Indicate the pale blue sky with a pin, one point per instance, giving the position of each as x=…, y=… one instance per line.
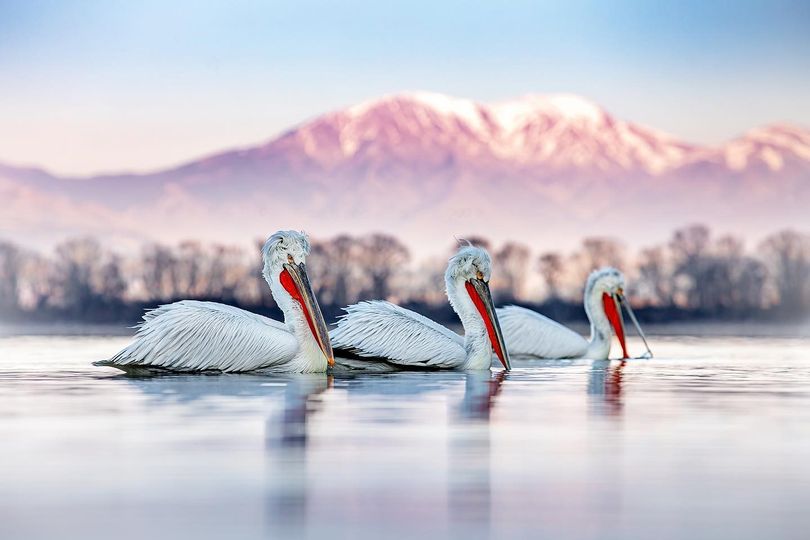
x=103, y=85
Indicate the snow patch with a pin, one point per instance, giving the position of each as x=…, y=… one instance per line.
x=556, y=130
x=513, y=115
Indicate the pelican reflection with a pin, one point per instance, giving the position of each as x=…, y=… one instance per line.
x=605, y=387
x=469, y=490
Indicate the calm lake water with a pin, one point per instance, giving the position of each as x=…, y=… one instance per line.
x=710, y=439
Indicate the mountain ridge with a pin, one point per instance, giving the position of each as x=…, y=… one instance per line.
x=424, y=158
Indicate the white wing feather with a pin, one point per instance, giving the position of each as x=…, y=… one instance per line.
x=383, y=330
x=528, y=333
x=196, y=336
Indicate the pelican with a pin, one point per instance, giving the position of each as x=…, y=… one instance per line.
x=531, y=334
x=207, y=336
x=383, y=332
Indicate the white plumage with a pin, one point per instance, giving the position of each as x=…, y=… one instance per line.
x=202, y=336
x=195, y=336
x=381, y=331
x=531, y=334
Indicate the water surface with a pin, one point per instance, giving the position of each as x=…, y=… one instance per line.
x=710, y=439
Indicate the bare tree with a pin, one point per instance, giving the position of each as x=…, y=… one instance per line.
x=110, y=282
x=76, y=262
x=341, y=270
x=689, y=247
x=751, y=278
x=788, y=254
x=226, y=271
x=713, y=285
x=715, y=276
x=689, y=243
x=729, y=247
x=551, y=268
x=88, y=277
x=599, y=252
x=158, y=271
x=37, y=282
x=654, y=278
x=188, y=269
x=383, y=257
x=10, y=268
x=511, y=267
x=692, y=271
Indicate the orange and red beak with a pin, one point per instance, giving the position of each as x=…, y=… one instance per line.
x=614, y=316
x=478, y=289
x=295, y=281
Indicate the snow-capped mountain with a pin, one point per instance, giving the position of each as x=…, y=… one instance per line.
x=545, y=169
x=425, y=131
x=775, y=148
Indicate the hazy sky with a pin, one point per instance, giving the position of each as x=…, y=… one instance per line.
x=100, y=86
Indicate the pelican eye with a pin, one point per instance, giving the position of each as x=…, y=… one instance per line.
x=479, y=275
x=290, y=259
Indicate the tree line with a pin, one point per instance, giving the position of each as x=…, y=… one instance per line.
x=693, y=274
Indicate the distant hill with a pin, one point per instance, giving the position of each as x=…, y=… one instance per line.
x=543, y=169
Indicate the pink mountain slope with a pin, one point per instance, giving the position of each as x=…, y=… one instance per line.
x=545, y=170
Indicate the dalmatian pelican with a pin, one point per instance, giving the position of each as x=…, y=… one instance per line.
x=381, y=332
x=531, y=334
x=207, y=336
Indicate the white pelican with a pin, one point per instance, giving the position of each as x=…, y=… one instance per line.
x=206, y=336
x=383, y=332
x=531, y=334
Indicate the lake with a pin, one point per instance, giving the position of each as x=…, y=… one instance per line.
x=710, y=439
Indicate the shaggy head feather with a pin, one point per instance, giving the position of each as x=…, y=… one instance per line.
x=604, y=280
x=282, y=245
x=467, y=263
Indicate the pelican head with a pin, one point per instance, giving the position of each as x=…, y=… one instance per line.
x=604, y=291
x=284, y=268
x=604, y=296
x=467, y=283
x=606, y=280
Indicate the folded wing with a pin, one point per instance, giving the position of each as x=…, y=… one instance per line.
x=527, y=333
x=201, y=336
x=384, y=331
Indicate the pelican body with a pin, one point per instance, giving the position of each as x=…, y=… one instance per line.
x=531, y=334
x=379, y=331
x=189, y=336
